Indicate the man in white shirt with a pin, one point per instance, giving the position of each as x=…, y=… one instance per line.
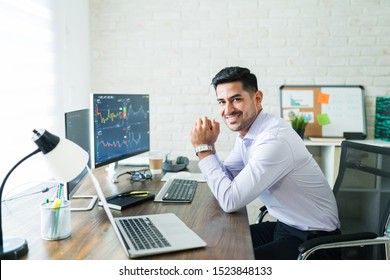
x=269, y=161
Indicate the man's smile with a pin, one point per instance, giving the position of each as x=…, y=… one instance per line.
x=232, y=118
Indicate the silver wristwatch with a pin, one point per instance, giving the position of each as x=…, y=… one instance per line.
x=203, y=148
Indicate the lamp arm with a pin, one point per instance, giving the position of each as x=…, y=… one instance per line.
x=2, y=188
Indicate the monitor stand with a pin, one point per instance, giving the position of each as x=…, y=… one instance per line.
x=92, y=200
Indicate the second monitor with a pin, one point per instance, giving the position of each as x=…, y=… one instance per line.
x=120, y=127
x=77, y=130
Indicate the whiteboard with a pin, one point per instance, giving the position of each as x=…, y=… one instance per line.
x=331, y=110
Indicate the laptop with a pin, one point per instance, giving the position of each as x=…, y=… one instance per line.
x=173, y=233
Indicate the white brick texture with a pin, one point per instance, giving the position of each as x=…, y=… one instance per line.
x=171, y=49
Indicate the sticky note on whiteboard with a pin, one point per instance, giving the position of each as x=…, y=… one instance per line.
x=323, y=119
x=323, y=98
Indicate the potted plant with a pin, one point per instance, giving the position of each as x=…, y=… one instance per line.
x=298, y=122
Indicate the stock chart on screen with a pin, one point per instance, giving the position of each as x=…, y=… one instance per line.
x=120, y=126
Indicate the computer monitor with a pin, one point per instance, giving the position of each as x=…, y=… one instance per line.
x=77, y=131
x=120, y=128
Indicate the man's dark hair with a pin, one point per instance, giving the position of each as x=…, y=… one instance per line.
x=234, y=74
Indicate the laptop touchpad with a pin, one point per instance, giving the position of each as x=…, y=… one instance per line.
x=174, y=228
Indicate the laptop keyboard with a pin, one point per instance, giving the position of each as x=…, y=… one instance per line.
x=181, y=190
x=143, y=234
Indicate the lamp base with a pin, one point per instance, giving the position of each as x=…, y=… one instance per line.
x=13, y=248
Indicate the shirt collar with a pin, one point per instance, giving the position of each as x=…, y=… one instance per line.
x=255, y=127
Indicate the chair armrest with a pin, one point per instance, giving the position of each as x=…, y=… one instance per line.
x=337, y=241
x=263, y=212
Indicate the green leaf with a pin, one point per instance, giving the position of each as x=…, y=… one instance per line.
x=298, y=122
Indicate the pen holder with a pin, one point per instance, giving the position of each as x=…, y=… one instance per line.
x=55, y=222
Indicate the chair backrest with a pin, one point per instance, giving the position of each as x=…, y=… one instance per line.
x=362, y=189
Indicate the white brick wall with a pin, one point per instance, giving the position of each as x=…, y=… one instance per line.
x=172, y=49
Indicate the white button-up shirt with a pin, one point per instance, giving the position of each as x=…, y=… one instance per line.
x=272, y=163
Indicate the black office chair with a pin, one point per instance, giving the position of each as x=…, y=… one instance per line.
x=362, y=191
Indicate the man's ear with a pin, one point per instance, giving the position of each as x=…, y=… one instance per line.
x=259, y=97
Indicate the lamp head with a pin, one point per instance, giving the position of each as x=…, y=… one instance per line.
x=65, y=159
x=45, y=141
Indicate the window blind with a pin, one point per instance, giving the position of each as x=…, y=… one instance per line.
x=29, y=87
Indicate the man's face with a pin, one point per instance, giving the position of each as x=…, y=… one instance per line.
x=238, y=107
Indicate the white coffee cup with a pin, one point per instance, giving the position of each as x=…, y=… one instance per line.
x=155, y=162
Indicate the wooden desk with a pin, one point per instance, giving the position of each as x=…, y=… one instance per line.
x=227, y=235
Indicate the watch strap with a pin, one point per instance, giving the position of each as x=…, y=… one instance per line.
x=203, y=148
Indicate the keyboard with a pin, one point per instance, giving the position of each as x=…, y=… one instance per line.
x=181, y=190
x=144, y=234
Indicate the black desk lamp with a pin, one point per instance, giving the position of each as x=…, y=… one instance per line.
x=65, y=159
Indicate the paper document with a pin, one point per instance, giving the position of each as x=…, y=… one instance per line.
x=326, y=139
x=184, y=175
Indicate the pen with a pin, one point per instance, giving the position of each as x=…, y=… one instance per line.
x=59, y=191
x=55, y=207
x=56, y=203
x=133, y=193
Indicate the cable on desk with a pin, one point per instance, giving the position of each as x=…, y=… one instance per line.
x=43, y=190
